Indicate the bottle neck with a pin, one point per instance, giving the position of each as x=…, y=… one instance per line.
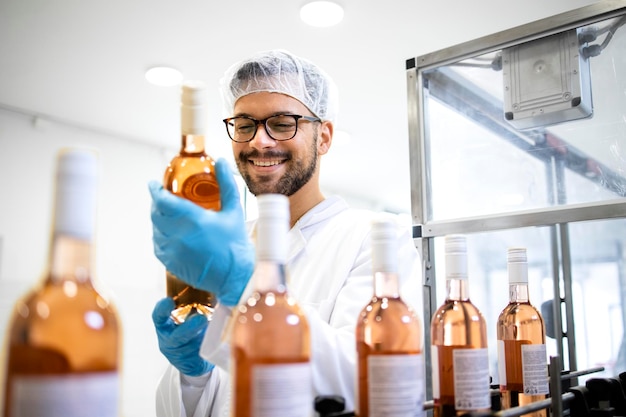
x=269, y=276
x=192, y=144
x=271, y=243
x=75, y=202
x=457, y=289
x=70, y=259
x=518, y=293
x=518, y=281
x=193, y=119
x=386, y=285
x=457, y=286
x=385, y=260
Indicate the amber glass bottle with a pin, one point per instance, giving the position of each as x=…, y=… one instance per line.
x=390, y=365
x=270, y=341
x=64, y=336
x=522, y=357
x=460, y=364
x=191, y=175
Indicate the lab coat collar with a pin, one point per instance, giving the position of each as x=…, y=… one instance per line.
x=305, y=226
x=298, y=235
x=322, y=211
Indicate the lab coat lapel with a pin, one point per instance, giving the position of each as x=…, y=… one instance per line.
x=305, y=226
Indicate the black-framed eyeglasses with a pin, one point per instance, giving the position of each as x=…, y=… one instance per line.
x=242, y=129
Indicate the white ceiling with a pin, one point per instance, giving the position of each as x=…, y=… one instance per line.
x=83, y=62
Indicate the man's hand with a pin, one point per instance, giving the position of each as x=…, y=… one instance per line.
x=180, y=343
x=207, y=249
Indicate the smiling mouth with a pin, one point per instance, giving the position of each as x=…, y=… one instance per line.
x=266, y=163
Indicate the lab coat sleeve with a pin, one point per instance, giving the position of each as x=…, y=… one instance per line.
x=333, y=345
x=181, y=396
x=168, y=395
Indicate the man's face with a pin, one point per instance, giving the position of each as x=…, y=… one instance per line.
x=270, y=166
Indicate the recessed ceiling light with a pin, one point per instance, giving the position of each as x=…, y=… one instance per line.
x=164, y=76
x=321, y=13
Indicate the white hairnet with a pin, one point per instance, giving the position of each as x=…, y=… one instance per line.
x=279, y=71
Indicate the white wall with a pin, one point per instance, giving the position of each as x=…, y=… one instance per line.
x=125, y=264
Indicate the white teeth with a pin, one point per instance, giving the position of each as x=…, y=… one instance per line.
x=265, y=163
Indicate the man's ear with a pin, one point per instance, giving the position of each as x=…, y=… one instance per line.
x=325, y=137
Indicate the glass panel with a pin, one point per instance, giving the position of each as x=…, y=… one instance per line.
x=479, y=162
x=578, y=189
x=474, y=172
x=488, y=279
x=598, y=285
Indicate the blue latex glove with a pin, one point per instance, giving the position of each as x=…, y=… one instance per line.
x=180, y=343
x=207, y=249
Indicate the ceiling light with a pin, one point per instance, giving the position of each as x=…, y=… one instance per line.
x=321, y=13
x=164, y=76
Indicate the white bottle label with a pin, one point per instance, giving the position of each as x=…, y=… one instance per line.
x=282, y=390
x=471, y=379
x=434, y=360
x=67, y=396
x=396, y=385
x=501, y=363
x=535, y=369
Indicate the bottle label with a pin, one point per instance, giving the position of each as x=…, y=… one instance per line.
x=434, y=360
x=535, y=369
x=68, y=396
x=396, y=385
x=471, y=379
x=284, y=390
x=501, y=363
x=201, y=188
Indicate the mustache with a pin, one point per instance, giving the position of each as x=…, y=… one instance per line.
x=255, y=153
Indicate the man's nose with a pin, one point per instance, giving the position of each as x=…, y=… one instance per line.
x=261, y=138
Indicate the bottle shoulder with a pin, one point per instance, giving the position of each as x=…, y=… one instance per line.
x=71, y=326
x=458, y=309
x=198, y=159
x=388, y=308
x=270, y=305
x=184, y=166
x=60, y=299
x=519, y=306
x=270, y=325
x=520, y=321
x=459, y=323
x=388, y=326
x=515, y=311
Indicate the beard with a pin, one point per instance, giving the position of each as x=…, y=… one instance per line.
x=298, y=173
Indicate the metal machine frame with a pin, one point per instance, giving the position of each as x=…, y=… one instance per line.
x=556, y=218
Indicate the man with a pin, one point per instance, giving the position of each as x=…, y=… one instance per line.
x=283, y=109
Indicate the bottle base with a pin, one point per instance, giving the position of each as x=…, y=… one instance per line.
x=183, y=312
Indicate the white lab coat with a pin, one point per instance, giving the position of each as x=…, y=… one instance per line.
x=330, y=275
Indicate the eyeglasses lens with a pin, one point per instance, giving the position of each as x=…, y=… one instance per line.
x=281, y=127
